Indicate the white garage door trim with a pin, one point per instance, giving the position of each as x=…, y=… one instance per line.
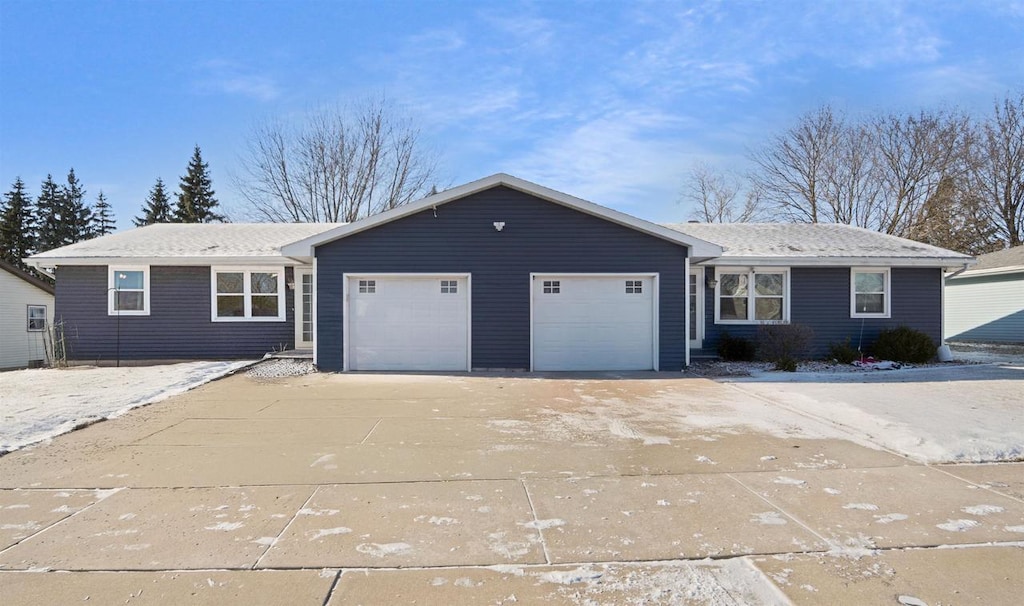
x=348, y=277
x=655, y=277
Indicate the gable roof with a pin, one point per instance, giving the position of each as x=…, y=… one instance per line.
x=186, y=243
x=698, y=248
x=1007, y=261
x=817, y=244
x=17, y=272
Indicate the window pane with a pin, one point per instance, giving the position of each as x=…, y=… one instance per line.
x=129, y=301
x=732, y=284
x=128, y=280
x=263, y=306
x=768, y=284
x=869, y=282
x=768, y=308
x=264, y=283
x=230, y=282
x=871, y=304
x=733, y=308
x=230, y=306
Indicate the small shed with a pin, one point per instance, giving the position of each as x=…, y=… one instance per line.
x=26, y=310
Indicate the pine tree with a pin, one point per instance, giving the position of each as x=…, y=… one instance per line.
x=196, y=203
x=103, y=217
x=78, y=214
x=49, y=222
x=17, y=226
x=156, y=208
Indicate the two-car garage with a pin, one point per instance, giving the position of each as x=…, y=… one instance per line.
x=423, y=322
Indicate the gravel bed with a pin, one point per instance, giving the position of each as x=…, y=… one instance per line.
x=721, y=368
x=279, y=368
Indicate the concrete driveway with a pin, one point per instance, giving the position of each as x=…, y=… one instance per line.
x=385, y=489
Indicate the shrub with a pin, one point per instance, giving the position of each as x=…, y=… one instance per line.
x=785, y=364
x=843, y=353
x=778, y=342
x=903, y=344
x=735, y=349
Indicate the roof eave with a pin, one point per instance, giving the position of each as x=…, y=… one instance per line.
x=249, y=260
x=995, y=271
x=698, y=248
x=845, y=261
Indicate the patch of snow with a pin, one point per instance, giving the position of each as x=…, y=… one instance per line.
x=769, y=458
x=789, y=481
x=308, y=511
x=568, y=577
x=381, y=550
x=833, y=491
x=225, y=526
x=327, y=532
x=958, y=525
x=40, y=404
x=1014, y=528
x=768, y=518
x=704, y=459
x=891, y=517
x=861, y=506
x=543, y=524
x=982, y=510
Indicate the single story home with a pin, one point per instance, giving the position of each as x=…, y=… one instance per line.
x=26, y=310
x=986, y=302
x=499, y=273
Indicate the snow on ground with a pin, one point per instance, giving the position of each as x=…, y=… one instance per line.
x=935, y=414
x=39, y=404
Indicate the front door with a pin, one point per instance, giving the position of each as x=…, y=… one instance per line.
x=303, y=309
x=695, y=292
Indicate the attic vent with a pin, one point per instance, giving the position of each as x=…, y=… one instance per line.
x=693, y=221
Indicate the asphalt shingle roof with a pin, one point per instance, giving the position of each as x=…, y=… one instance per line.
x=1010, y=257
x=803, y=240
x=184, y=240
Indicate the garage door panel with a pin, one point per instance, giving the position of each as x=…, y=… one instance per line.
x=593, y=323
x=408, y=323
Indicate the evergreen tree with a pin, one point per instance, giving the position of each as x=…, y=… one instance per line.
x=196, y=203
x=49, y=222
x=157, y=207
x=103, y=217
x=78, y=214
x=17, y=226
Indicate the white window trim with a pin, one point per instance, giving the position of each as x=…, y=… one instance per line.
x=246, y=271
x=887, y=298
x=111, y=291
x=28, y=318
x=751, y=271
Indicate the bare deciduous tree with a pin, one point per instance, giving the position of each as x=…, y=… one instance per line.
x=914, y=154
x=338, y=165
x=997, y=175
x=720, y=198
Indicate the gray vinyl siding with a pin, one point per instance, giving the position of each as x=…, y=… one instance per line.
x=987, y=309
x=177, y=328
x=820, y=298
x=538, y=236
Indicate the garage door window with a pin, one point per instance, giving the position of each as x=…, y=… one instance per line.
x=367, y=286
x=449, y=287
x=634, y=287
x=552, y=287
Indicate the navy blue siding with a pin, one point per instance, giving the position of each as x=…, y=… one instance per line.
x=178, y=327
x=539, y=236
x=820, y=298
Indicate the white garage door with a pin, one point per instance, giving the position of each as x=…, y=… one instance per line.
x=593, y=322
x=411, y=322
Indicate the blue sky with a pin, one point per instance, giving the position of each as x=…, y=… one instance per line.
x=609, y=101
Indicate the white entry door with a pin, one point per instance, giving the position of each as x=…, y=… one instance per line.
x=408, y=322
x=594, y=322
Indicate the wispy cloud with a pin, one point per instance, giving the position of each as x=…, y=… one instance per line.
x=226, y=77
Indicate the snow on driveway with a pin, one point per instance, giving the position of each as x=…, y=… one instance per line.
x=938, y=414
x=39, y=404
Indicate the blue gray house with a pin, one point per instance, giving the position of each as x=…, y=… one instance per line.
x=499, y=273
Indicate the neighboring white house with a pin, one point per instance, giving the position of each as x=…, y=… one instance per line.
x=986, y=304
x=26, y=310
